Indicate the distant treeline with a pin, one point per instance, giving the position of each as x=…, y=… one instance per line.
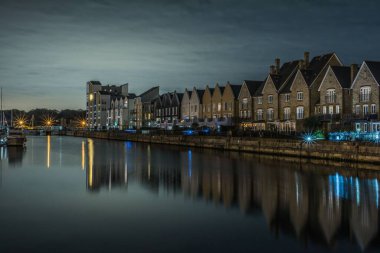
x=38, y=116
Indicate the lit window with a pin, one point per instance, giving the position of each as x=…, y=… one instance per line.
x=337, y=109
x=300, y=112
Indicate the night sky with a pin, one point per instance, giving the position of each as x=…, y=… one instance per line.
x=49, y=49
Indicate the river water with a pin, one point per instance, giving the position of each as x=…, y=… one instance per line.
x=67, y=194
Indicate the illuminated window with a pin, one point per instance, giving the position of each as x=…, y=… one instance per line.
x=300, y=112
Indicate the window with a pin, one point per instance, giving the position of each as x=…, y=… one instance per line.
x=331, y=109
x=373, y=109
x=365, y=109
x=259, y=114
x=357, y=109
x=270, y=99
x=365, y=127
x=225, y=106
x=324, y=109
x=337, y=109
x=286, y=113
x=330, y=96
x=287, y=97
x=260, y=100
x=365, y=94
x=219, y=107
x=300, y=112
x=299, y=96
x=195, y=108
x=270, y=114
x=245, y=103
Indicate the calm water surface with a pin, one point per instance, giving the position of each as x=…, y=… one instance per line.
x=65, y=194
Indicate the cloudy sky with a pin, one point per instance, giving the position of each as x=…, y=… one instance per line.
x=49, y=49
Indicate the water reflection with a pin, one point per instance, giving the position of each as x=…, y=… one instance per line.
x=318, y=204
x=105, y=170
x=14, y=155
x=48, y=150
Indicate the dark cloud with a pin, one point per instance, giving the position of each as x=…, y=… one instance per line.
x=49, y=49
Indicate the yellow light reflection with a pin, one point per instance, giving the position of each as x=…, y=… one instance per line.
x=83, y=156
x=90, y=161
x=48, y=152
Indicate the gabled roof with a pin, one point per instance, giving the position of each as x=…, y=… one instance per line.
x=343, y=74
x=306, y=74
x=286, y=70
x=259, y=91
x=317, y=64
x=146, y=92
x=252, y=86
x=310, y=73
x=200, y=95
x=180, y=96
x=374, y=67
x=236, y=89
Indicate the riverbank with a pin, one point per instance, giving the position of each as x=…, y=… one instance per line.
x=326, y=150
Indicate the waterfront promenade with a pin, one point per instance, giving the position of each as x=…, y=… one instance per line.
x=360, y=152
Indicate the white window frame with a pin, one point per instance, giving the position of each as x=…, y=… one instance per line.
x=299, y=95
x=300, y=112
x=270, y=99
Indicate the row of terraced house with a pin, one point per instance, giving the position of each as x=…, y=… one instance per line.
x=294, y=94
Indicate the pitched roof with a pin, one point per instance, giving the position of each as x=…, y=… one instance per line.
x=309, y=74
x=235, y=89
x=200, y=94
x=343, y=74
x=317, y=64
x=374, y=67
x=306, y=74
x=146, y=92
x=286, y=70
x=252, y=86
x=259, y=91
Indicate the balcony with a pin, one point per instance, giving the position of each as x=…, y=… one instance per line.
x=364, y=97
x=330, y=99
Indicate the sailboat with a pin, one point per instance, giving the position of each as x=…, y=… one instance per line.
x=4, y=131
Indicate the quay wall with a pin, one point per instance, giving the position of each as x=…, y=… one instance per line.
x=326, y=150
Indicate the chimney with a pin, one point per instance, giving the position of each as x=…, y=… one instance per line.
x=277, y=61
x=272, y=69
x=354, y=71
x=306, y=58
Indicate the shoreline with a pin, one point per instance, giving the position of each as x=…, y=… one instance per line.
x=353, y=152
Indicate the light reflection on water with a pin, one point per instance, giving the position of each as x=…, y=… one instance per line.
x=317, y=205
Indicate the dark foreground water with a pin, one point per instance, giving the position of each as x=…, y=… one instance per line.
x=65, y=194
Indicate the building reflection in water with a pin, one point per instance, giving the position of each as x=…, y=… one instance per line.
x=316, y=204
x=14, y=155
x=106, y=164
